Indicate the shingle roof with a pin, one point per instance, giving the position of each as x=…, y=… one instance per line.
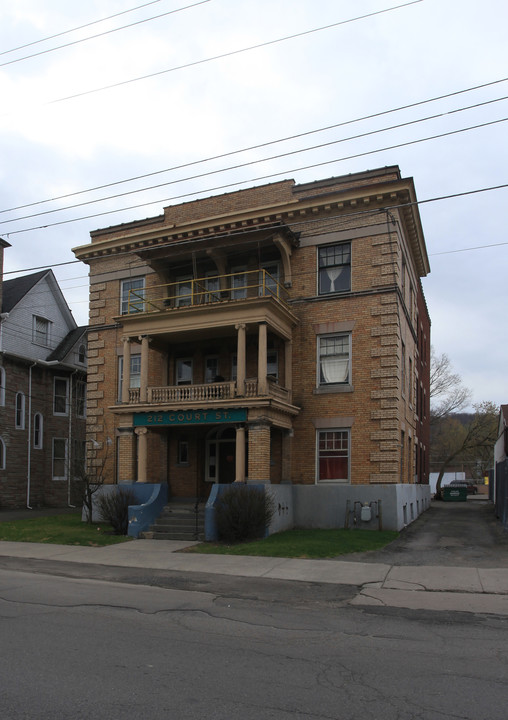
x=14, y=290
x=67, y=343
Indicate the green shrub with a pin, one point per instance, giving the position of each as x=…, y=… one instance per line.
x=243, y=513
x=113, y=507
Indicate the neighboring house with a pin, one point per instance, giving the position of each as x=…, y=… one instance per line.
x=499, y=489
x=277, y=335
x=43, y=360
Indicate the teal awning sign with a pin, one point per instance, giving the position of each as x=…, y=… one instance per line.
x=189, y=417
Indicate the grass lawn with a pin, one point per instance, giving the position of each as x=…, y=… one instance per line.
x=304, y=544
x=65, y=529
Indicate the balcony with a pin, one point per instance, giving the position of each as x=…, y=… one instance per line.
x=214, y=394
x=206, y=291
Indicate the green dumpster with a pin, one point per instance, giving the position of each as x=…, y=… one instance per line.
x=455, y=494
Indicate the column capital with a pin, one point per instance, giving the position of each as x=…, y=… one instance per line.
x=240, y=326
x=141, y=430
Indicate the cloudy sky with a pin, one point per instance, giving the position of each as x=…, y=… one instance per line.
x=84, y=112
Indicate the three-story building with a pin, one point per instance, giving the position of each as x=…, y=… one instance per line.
x=273, y=335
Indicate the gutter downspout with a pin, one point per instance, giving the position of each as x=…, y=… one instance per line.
x=29, y=441
x=69, y=472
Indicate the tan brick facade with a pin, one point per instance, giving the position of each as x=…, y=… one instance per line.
x=277, y=408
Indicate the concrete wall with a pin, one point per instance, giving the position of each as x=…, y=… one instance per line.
x=313, y=506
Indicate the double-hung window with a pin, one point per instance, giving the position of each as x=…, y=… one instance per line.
x=334, y=267
x=38, y=429
x=60, y=396
x=184, y=291
x=20, y=411
x=333, y=455
x=269, y=279
x=135, y=373
x=59, y=458
x=40, y=331
x=334, y=359
x=184, y=371
x=132, y=296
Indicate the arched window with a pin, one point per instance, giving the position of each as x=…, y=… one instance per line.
x=38, y=427
x=2, y=454
x=2, y=387
x=82, y=354
x=20, y=411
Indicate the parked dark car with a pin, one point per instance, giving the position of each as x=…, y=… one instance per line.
x=470, y=487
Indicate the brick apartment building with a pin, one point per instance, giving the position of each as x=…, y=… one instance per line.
x=42, y=393
x=277, y=335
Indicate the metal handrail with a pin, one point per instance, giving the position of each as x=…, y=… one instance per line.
x=230, y=287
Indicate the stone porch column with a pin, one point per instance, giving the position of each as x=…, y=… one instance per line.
x=259, y=452
x=240, y=360
x=142, y=434
x=240, y=454
x=262, y=361
x=126, y=369
x=143, y=385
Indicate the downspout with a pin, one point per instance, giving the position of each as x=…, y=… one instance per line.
x=70, y=444
x=29, y=453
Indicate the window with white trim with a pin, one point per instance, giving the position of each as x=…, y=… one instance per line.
x=40, y=331
x=82, y=354
x=334, y=268
x=20, y=411
x=135, y=374
x=38, y=430
x=132, y=295
x=334, y=356
x=269, y=279
x=183, y=291
x=238, y=283
x=184, y=371
x=333, y=456
x=2, y=386
x=60, y=396
x=211, y=368
x=59, y=457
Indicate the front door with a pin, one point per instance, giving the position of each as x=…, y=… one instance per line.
x=221, y=454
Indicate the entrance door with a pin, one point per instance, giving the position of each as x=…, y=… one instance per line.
x=227, y=468
x=221, y=455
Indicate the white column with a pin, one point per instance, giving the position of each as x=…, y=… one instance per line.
x=126, y=370
x=142, y=434
x=241, y=362
x=240, y=454
x=262, y=360
x=143, y=384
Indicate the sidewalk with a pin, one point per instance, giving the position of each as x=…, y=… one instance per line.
x=426, y=587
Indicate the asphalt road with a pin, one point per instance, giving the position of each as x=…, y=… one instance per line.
x=83, y=649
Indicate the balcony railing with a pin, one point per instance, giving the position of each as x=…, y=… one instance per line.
x=206, y=291
x=206, y=392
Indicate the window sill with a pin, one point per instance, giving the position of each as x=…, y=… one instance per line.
x=326, y=389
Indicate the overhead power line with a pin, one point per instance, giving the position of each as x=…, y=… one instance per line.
x=258, y=146
x=355, y=213
x=255, y=162
x=236, y=183
x=230, y=53
x=79, y=27
x=106, y=32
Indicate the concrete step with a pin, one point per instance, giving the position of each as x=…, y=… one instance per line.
x=177, y=521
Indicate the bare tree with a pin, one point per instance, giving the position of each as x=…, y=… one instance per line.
x=454, y=440
x=447, y=393
x=91, y=474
